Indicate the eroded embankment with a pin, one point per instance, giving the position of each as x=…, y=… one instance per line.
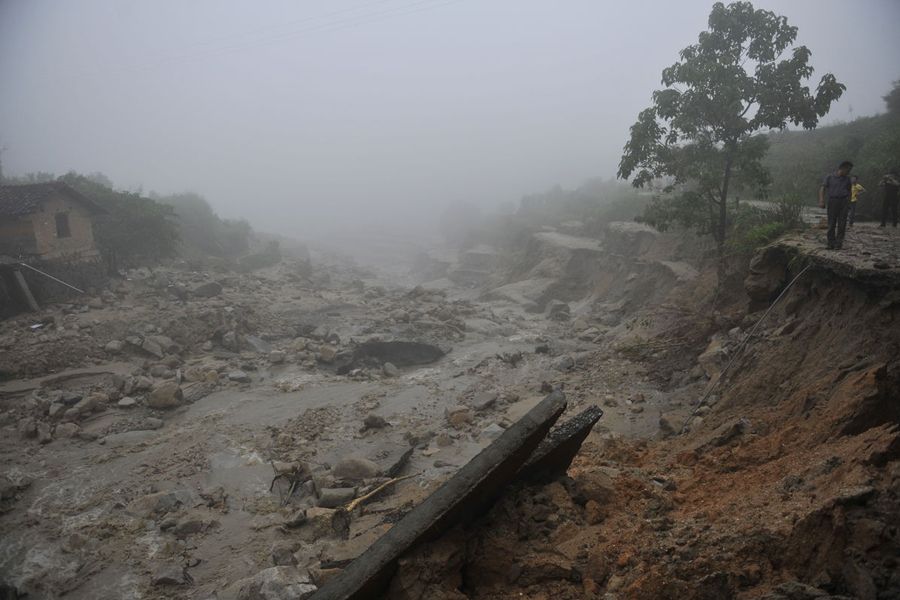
x=785, y=484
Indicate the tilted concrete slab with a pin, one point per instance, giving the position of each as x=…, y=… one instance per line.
x=462, y=498
x=554, y=455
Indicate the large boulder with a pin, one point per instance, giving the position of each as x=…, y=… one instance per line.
x=768, y=272
x=355, y=469
x=165, y=395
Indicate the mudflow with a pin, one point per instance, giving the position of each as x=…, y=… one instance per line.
x=214, y=434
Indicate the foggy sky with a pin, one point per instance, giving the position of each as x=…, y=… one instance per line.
x=304, y=117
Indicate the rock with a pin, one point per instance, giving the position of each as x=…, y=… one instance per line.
x=390, y=370
x=142, y=383
x=768, y=271
x=157, y=503
x=564, y=363
x=114, y=347
x=161, y=372
x=27, y=427
x=91, y=403
x=327, y=354
x=319, y=522
x=127, y=402
x=459, y=416
x=609, y=401
x=56, y=410
x=636, y=409
x=239, y=377
x=151, y=347
x=276, y=357
x=491, y=432
x=484, y=401
x=149, y=424
x=189, y=526
x=400, y=315
x=207, y=290
x=666, y=427
x=282, y=555
x=231, y=341
x=67, y=430
x=275, y=583
x=296, y=519
x=165, y=395
x=713, y=359
x=558, y=311
x=43, y=433
x=355, y=469
x=169, y=575
x=335, y=497
x=729, y=431
x=374, y=422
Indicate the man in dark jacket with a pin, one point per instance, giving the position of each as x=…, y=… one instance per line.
x=891, y=185
x=835, y=196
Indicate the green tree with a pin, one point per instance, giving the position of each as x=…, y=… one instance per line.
x=740, y=78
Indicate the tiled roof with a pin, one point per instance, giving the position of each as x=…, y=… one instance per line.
x=17, y=200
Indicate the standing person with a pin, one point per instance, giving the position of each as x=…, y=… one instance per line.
x=855, y=190
x=834, y=194
x=891, y=184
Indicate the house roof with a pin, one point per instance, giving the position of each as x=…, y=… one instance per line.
x=18, y=200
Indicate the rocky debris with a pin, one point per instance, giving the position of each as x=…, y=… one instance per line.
x=126, y=402
x=277, y=357
x=167, y=574
x=714, y=358
x=155, y=504
x=730, y=431
x=564, y=363
x=114, y=346
x=459, y=416
x=239, y=377
x=390, y=370
x=491, y=432
x=335, y=497
x=469, y=492
x=374, y=422
x=558, y=311
x=207, y=290
x=165, y=395
x=274, y=583
x=355, y=469
x=27, y=427
x=484, y=401
x=327, y=354
x=67, y=430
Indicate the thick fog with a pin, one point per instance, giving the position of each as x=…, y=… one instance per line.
x=310, y=117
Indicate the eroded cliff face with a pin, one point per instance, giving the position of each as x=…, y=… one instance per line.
x=778, y=478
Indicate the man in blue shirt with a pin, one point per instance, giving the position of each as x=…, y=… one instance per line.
x=835, y=196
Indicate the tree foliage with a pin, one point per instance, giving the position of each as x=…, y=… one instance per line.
x=742, y=77
x=135, y=230
x=203, y=232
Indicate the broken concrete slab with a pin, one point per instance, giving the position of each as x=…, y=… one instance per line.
x=554, y=455
x=462, y=498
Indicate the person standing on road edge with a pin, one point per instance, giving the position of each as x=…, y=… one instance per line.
x=834, y=194
x=855, y=191
x=891, y=184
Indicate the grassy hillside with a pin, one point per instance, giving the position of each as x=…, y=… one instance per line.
x=798, y=160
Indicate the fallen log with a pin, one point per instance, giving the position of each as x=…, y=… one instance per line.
x=465, y=496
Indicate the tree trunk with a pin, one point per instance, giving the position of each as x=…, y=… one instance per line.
x=722, y=225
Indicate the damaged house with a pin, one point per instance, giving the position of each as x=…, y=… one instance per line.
x=46, y=226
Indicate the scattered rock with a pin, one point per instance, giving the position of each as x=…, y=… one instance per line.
x=335, y=497
x=275, y=583
x=491, y=432
x=127, y=402
x=169, y=575
x=459, y=416
x=165, y=395
x=239, y=377
x=276, y=357
x=67, y=430
x=115, y=346
x=207, y=290
x=390, y=370
x=43, y=433
x=355, y=469
x=374, y=422
x=327, y=354
x=484, y=401
x=564, y=363
x=27, y=427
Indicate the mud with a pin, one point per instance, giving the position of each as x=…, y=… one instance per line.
x=786, y=476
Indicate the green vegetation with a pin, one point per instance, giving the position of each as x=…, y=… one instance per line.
x=700, y=134
x=138, y=230
x=798, y=160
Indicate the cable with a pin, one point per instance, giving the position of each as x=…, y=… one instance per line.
x=740, y=348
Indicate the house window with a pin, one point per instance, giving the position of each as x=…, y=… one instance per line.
x=62, y=225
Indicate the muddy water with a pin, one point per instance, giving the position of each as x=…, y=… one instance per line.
x=73, y=530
